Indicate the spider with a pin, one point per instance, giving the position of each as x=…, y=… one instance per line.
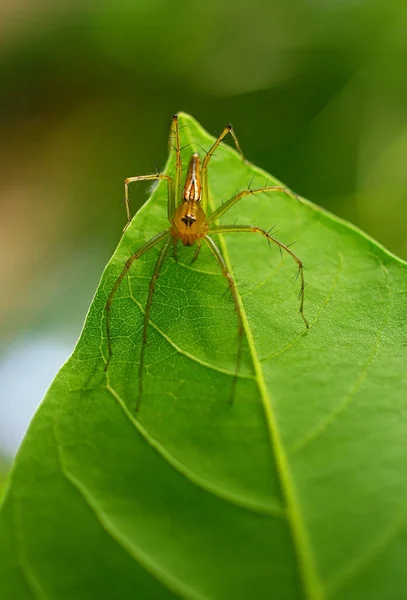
x=190, y=224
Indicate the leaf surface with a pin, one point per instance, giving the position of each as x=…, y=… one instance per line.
x=296, y=490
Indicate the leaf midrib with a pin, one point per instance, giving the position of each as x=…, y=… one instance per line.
x=306, y=561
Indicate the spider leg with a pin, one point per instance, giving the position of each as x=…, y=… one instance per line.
x=175, y=249
x=145, y=248
x=232, y=286
x=174, y=137
x=197, y=250
x=270, y=238
x=151, y=289
x=155, y=176
x=226, y=205
x=210, y=153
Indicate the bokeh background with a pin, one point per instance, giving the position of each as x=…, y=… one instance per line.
x=316, y=90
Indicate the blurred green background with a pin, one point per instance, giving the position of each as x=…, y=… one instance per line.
x=316, y=90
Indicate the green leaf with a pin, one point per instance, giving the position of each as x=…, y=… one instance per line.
x=296, y=490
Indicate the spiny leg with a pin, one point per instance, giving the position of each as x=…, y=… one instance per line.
x=270, y=238
x=156, y=176
x=151, y=289
x=175, y=249
x=225, y=207
x=178, y=160
x=145, y=248
x=197, y=250
x=232, y=286
x=210, y=153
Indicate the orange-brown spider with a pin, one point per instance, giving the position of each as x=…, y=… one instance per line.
x=190, y=223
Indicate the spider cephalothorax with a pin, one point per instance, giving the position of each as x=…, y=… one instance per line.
x=190, y=223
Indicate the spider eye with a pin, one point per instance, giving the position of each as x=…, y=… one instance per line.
x=188, y=220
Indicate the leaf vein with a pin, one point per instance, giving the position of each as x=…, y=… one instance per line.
x=324, y=304
x=375, y=547
x=167, y=580
x=271, y=509
x=321, y=427
x=29, y=576
x=188, y=354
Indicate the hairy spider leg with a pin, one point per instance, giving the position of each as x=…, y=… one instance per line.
x=174, y=249
x=209, y=154
x=145, y=248
x=232, y=228
x=178, y=160
x=232, y=286
x=151, y=290
x=173, y=183
x=197, y=250
x=270, y=238
x=155, y=176
x=227, y=205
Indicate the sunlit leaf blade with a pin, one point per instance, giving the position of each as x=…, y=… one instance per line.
x=297, y=490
